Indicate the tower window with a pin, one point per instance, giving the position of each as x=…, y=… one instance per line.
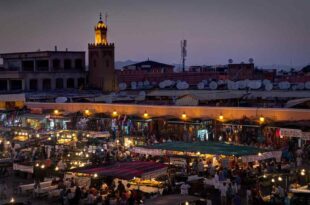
x=81, y=82
x=42, y=65
x=59, y=83
x=56, y=64
x=46, y=84
x=33, y=84
x=70, y=83
x=16, y=84
x=78, y=64
x=28, y=65
x=3, y=85
x=67, y=64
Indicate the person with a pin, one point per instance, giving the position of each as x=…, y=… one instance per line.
x=70, y=196
x=120, y=188
x=3, y=190
x=236, y=200
x=229, y=194
x=90, y=199
x=287, y=200
x=223, y=190
x=281, y=192
x=184, y=189
x=248, y=196
x=78, y=195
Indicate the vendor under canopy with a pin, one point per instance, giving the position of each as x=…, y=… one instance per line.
x=208, y=148
x=128, y=170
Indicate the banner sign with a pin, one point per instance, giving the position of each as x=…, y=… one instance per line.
x=23, y=168
x=178, y=161
x=284, y=132
x=263, y=156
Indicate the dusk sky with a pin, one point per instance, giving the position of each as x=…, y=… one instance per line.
x=271, y=32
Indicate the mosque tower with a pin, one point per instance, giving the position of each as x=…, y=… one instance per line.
x=101, y=60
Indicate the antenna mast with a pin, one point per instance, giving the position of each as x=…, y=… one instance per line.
x=183, y=53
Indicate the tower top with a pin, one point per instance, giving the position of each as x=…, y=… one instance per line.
x=101, y=32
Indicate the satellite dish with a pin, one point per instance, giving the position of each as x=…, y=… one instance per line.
x=146, y=83
x=201, y=86
x=61, y=99
x=268, y=86
x=266, y=81
x=284, y=85
x=140, y=84
x=213, y=85
x=241, y=84
x=122, y=86
x=307, y=85
x=133, y=85
x=255, y=84
x=300, y=86
x=142, y=93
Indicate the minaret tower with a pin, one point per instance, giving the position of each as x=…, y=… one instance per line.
x=101, y=60
x=101, y=32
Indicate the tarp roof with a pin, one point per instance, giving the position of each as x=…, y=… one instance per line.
x=126, y=170
x=213, y=148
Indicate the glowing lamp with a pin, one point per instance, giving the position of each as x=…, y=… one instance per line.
x=280, y=179
x=221, y=117
x=261, y=119
x=272, y=180
x=145, y=115
x=114, y=113
x=56, y=112
x=42, y=166
x=87, y=112
x=95, y=175
x=183, y=116
x=56, y=168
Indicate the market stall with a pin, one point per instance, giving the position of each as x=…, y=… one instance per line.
x=140, y=175
x=208, y=150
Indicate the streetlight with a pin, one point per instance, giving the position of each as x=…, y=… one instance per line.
x=145, y=115
x=261, y=119
x=87, y=112
x=114, y=113
x=56, y=112
x=184, y=116
x=221, y=117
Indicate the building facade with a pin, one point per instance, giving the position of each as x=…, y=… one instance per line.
x=101, y=61
x=42, y=71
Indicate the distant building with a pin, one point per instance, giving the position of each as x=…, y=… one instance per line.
x=101, y=61
x=42, y=71
x=240, y=71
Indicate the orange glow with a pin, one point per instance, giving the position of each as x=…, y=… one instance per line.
x=221, y=117
x=145, y=115
x=261, y=119
x=114, y=113
x=184, y=116
x=87, y=112
x=56, y=112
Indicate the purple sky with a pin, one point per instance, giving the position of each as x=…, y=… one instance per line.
x=271, y=32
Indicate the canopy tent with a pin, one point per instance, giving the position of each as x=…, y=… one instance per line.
x=247, y=153
x=128, y=170
x=213, y=148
